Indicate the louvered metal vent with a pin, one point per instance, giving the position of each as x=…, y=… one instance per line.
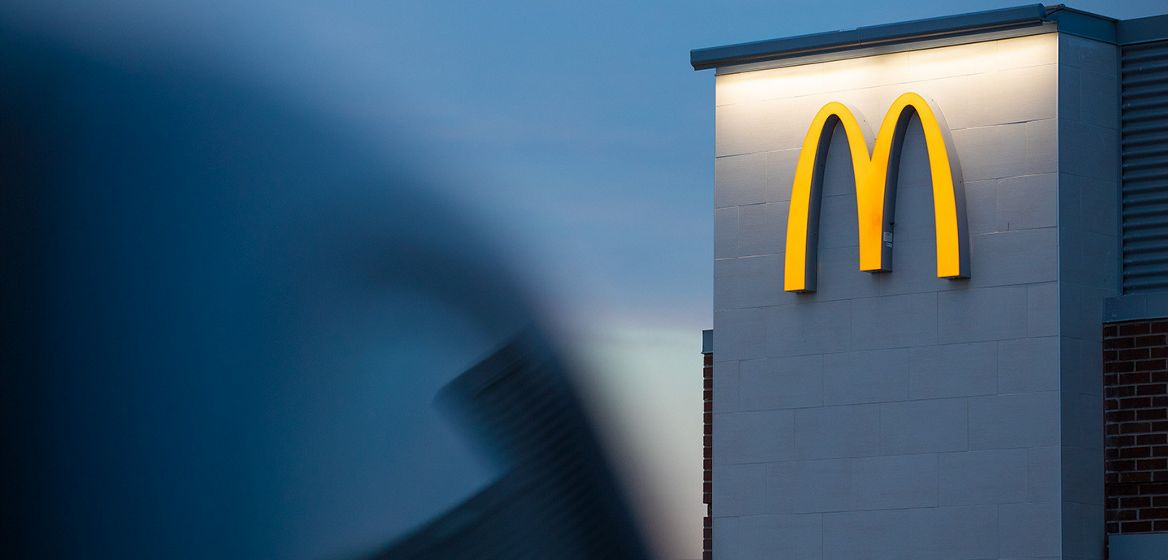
x=1145, y=167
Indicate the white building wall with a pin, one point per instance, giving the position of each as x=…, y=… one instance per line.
x=895, y=415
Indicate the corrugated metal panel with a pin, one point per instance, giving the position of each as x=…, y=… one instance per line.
x=1145, y=166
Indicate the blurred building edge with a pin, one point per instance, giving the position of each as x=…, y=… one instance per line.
x=559, y=499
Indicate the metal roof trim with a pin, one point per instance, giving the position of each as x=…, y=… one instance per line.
x=1135, y=307
x=1083, y=24
x=1066, y=19
x=1143, y=30
x=868, y=36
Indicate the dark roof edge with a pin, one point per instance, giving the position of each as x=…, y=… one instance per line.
x=1142, y=30
x=1068, y=20
x=872, y=35
x=1084, y=24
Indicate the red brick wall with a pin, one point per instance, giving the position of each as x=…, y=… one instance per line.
x=1135, y=371
x=707, y=453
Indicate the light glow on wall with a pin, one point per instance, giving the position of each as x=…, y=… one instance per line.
x=886, y=69
x=771, y=126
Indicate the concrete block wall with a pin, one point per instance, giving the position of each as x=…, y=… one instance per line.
x=1088, y=187
x=899, y=415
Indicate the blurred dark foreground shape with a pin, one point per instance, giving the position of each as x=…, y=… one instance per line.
x=555, y=501
x=225, y=322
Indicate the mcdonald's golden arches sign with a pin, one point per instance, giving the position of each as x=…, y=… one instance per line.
x=875, y=176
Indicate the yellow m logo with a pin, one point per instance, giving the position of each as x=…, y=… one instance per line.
x=875, y=176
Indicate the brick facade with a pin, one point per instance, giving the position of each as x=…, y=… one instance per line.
x=707, y=453
x=1135, y=366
